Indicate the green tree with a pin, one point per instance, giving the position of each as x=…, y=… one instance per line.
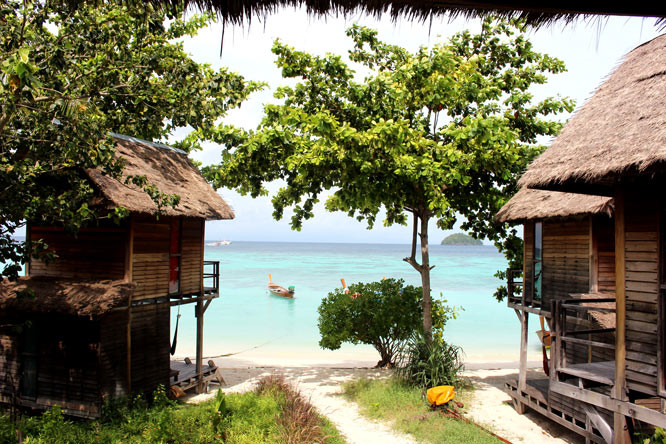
x=433, y=134
x=383, y=314
x=67, y=78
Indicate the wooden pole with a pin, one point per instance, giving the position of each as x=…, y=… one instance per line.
x=619, y=392
x=522, y=374
x=594, y=258
x=199, y=312
x=129, y=277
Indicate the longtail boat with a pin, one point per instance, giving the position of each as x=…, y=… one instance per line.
x=279, y=290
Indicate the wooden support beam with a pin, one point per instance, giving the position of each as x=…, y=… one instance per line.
x=199, y=309
x=519, y=314
x=522, y=374
x=619, y=390
x=624, y=408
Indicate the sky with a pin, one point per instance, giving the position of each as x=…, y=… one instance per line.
x=590, y=50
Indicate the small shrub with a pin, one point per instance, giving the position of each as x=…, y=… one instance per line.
x=382, y=314
x=428, y=364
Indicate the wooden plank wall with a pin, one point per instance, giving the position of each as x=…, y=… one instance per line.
x=566, y=261
x=113, y=354
x=150, y=259
x=9, y=365
x=67, y=363
x=641, y=269
x=191, y=245
x=150, y=347
x=528, y=257
x=94, y=253
x=604, y=230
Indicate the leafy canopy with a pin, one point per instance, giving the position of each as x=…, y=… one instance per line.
x=67, y=78
x=441, y=130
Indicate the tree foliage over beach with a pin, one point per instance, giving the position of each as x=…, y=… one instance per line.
x=434, y=134
x=67, y=78
x=383, y=314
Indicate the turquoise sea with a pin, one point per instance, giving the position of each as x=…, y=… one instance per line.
x=248, y=320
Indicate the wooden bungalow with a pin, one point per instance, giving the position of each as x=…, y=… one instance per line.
x=615, y=145
x=95, y=322
x=569, y=253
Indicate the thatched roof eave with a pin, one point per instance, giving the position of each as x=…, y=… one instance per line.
x=74, y=297
x=536, y=14
x=528, y=204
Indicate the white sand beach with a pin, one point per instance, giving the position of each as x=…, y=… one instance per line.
x=321, y=380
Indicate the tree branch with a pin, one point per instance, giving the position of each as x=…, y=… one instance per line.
x=411, y=260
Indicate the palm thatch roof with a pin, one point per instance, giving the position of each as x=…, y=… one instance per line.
x=536, y=13
x=167, y=168
x=42, y=294
x=618, y=135
x=529, y=204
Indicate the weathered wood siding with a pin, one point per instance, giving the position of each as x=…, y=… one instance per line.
x=150, y=258
x=150, y=347
x=191, y=265
x=641, y=269
x=94, y=253
x=113, y=354
x=9, y=365
x=528, y=257
x=566, y=259
x=604, y=230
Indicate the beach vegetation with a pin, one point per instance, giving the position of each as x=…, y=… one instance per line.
x=383, y=314
x=439, y=134
x=273, y=413
x=70, y=76
x=426, y=364
x=407, y=410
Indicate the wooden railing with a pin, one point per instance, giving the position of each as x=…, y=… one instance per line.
x=567, y=311
x=515, y=283
x=211, y=277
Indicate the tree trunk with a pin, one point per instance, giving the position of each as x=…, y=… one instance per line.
x=425, y=280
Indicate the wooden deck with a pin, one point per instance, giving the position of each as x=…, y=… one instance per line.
x=601, y=372
x=536, y=397
x=184, y=376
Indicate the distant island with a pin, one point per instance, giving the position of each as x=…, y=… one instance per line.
x=460, y=239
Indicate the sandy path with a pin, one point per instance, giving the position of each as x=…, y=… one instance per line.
x=490, y=406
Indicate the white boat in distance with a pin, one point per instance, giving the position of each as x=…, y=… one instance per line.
x=218, y=243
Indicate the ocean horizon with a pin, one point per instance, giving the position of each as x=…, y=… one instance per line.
x=247, y=321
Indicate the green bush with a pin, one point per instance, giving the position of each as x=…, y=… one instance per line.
x=382, y=314
x=428, y=364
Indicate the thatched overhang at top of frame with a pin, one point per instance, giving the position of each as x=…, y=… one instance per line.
x=170, y=171
x=529, y=204
x=43, y=294
x=535, y=13
x=618, y=136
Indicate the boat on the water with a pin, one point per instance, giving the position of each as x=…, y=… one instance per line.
x=218, y=243
x=279, y=290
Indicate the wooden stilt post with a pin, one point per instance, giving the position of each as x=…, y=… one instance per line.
x=199, y=312
x=199, y=359
x=522, y=375
x=620, y=434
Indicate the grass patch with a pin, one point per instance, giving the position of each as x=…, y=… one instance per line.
x=405, y=408
x=258, y=417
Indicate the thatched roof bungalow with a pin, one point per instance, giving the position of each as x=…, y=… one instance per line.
x=95, y=322
x=616, y=145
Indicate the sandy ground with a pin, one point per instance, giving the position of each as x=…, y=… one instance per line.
x=490, y=407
